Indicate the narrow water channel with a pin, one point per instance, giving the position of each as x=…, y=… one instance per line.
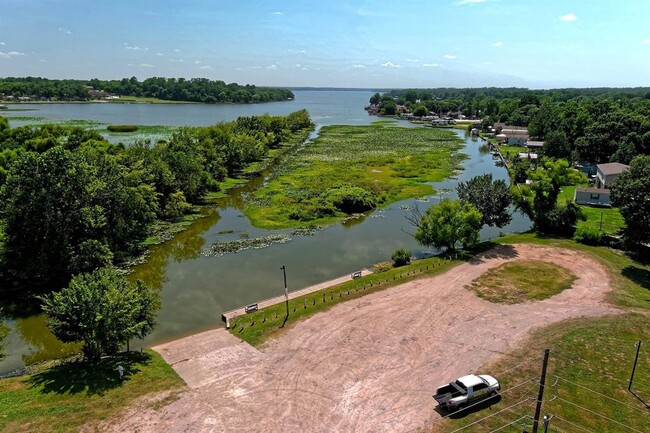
x=196, y=289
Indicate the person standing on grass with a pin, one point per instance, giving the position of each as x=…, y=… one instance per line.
x=120, y=372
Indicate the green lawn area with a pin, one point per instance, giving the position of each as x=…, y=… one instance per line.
x=390, y=163
x=522, y=280
x=510, y=151
x=607, y=219
x=65, y=397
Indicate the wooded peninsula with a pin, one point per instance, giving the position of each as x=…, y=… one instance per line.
x=203, y=90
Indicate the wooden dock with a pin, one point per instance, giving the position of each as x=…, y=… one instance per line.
x=242, y=311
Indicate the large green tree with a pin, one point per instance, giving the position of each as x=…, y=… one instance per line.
x=69, y=212
x=446, y=224
x=630, y=195
x=491, y=198
x=103, y=310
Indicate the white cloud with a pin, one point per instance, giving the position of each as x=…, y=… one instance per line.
x=42, y=60
x=145, y=65
x=449, y=56
x=272, y=67
x=176, y=60
x=205, y=67
x=469, y=2
x=430, y=65
x=298, y=51
x=176, y=50
x=358, y=66
x=568, y=17
x=413, y=60
x=390, y=64
x=646, y=41
x=197, y=62
x=64, y=30
x=10, y=54
x=3, y=44
x=487, y=63
x=497, y=44
x=277, y=13
x=159, y=54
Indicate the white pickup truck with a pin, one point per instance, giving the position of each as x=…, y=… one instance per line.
x=466, y=390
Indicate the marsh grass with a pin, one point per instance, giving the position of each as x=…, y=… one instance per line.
x=393, y=163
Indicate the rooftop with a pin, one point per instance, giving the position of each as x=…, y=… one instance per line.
x=612, y=168
x=593, y=190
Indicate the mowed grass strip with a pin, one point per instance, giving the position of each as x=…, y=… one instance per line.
x=65, y=397
x=521, y=281
x=256, y=328
x=390, y=162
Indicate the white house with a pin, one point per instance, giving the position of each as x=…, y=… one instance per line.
x=592, y=196
x=606, y=174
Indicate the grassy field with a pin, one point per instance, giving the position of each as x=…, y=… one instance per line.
x=589, y=365
x=521, y=281
x=63, y=398
x=510, y=151
x=391, y=163
x=269, y=322
x=607, y=219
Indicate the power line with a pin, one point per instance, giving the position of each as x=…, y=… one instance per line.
x=518, y=385
x=600, y=394
x=572, y=424
x=598, y=414
x=509, y=424
x=494, y=414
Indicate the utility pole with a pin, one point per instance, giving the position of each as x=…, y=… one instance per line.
x=286, y=290
x=638, y=349
x=540, y=396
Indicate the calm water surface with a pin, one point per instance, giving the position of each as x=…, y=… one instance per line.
x=196, y=289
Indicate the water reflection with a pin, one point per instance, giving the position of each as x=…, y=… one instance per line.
x=184, y=246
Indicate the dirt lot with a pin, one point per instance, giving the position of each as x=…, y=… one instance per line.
x=367, y=365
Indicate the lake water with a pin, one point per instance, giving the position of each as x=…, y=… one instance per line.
x=196, y=289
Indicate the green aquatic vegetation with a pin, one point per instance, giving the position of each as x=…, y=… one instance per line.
x=218, y=249
x=353, y=169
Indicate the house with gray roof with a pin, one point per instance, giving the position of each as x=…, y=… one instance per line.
x=606, y=174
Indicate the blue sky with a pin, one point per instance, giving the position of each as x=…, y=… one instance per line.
x=460, y=43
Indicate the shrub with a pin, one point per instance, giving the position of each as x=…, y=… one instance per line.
x=122, y=128
x=401, y=257
x=351, y=199
x=588, y=236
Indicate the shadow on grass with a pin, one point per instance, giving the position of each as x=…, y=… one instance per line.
x=491, y=250
x=638, y=275
x=475, y=407
x=91, y=378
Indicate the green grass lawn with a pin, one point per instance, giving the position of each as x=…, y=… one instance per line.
x=392, y=163
x=510, y=151
x=607, y=219
x=65, y=397
x=522, y=280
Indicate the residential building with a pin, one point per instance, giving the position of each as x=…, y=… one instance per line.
x=606, y=174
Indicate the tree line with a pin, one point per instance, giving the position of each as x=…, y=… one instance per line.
x=169, y=89
x=71, y=202
x=581, y=125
